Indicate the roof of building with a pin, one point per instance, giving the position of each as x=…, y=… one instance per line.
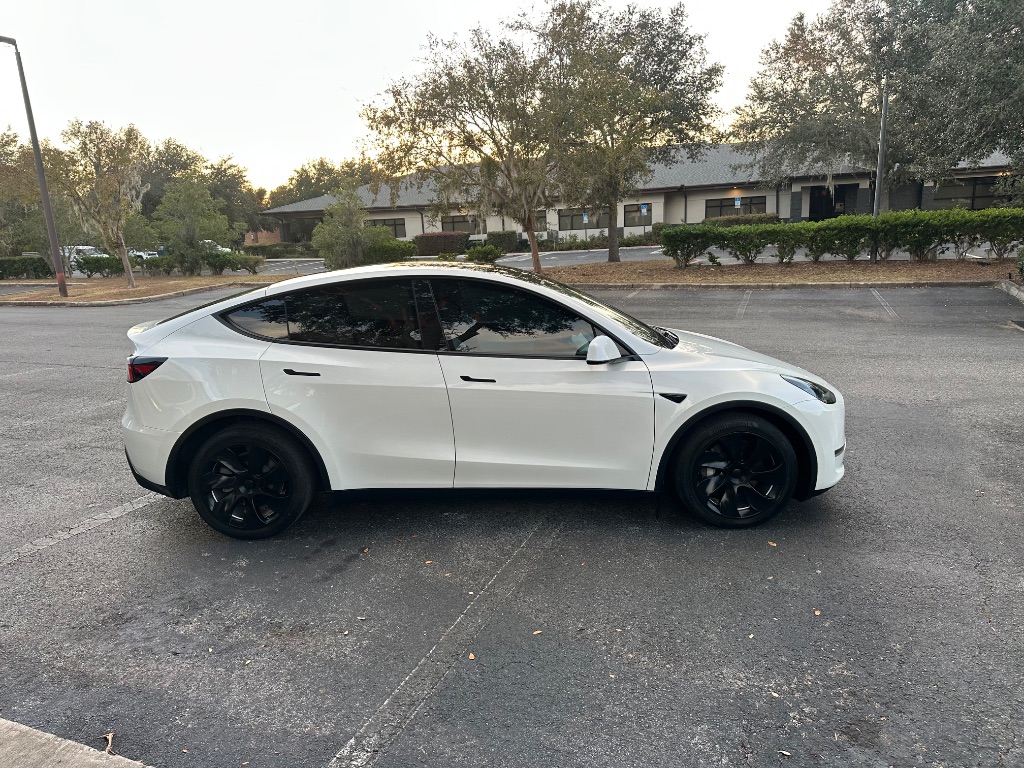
x=718, y=166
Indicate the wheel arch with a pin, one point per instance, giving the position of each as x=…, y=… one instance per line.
x=802, y=444
x=176, y=475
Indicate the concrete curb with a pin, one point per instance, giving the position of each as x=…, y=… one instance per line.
x=140, y=300
x=781, y=286
x=26, y=747
x=1013, y=289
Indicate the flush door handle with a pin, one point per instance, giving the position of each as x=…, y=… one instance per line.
x=292, y=372
x=480, y=381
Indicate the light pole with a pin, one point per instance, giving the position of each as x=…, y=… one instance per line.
x=51, y=230
x=880, y=169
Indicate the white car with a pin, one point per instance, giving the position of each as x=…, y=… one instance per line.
x=435, y=375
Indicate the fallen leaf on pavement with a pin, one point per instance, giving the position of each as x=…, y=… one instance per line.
x=430, y=562
x=784, y=752
x=538, y=631
x=110, y=742
x=366, y=549
x=772, y=544
x=471, y=656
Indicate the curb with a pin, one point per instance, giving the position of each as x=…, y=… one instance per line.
x=140, y=300
x=784, y=286
x=1013, y=289
x=29, y=748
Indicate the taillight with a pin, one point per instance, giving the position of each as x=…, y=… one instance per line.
x=140, y=367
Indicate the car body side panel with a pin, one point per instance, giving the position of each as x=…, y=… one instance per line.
x=550, y=423
x=380, y=419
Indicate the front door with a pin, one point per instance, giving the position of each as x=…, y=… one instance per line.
x=528, y=410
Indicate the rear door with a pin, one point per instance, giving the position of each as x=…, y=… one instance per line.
x=350, y=371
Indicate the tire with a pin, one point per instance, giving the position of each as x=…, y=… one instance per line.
x=251, y=482
x=735, y=471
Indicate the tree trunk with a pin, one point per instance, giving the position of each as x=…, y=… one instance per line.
x=532, y=237
x=613, y=231
x=122, y=251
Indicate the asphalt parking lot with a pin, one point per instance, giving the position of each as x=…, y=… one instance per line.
x=877, y=625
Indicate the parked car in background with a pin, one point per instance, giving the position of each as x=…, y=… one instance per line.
x=438, y=375
x=212, y=246
x=139, y=255
x=71, y=251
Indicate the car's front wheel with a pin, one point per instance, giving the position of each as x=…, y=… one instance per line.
x=251, y=482
x=735, y=471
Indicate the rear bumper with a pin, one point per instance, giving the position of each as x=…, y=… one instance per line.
x=147, y=451
x=147, y=484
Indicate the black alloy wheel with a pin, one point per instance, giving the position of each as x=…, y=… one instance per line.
x=251, y=482
x=736, y=471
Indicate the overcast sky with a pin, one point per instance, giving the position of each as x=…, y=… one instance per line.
x=275, y=83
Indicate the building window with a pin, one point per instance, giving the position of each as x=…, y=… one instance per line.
x=469, y=224
x=540, y=221
x=639, y=215
x=972, y=194
x=726, y=206
x=397, y=226
x=572, y=218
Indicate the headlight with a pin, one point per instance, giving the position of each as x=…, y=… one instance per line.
x=814, y=390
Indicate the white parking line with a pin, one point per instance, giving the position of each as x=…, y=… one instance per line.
x=634, y=293
x=93, y=521
x=743, y=305
x=371, y=741
x=885, y=304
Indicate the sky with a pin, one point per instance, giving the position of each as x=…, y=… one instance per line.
x=276, y=84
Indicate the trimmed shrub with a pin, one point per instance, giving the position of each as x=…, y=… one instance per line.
x=845, y=237
x=656, y=229
x=105, y=266
x=447, y=257
x=218, y=262
x=251, y=264
x=160, y=265
x=743, y=243
x=504, y=240
x=382, y=247
x=434, y=243
x=786, y=238
x=688, y=242
x=919, y=233
x=188, y=262
x=742, y=220
x=35, y=267
x=1001, y=228
x=484, y=253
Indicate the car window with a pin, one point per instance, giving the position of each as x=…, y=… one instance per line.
x=487, y=318
x=265, y=318
x=377, y=313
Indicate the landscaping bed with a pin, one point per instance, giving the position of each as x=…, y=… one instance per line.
x=662, y=271
x=116, y=288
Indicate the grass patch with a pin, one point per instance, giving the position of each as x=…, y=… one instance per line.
x=662, y=271
x=115, y=288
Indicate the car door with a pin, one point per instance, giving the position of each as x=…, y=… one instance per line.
x=527, y=409
x=350, y=371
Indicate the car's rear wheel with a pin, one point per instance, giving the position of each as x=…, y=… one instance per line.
x=735, y=471
x=251, y=482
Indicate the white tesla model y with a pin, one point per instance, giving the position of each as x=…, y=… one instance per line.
x=438, y=375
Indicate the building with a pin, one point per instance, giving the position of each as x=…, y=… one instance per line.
x=683, y=192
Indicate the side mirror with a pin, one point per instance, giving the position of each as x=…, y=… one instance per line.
x=602, y=350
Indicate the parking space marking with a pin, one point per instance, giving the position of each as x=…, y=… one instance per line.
x=24, y=373
x=743, y=305
x=885, y=304
x=634, y=293
x=93, y=521
x=393, y=716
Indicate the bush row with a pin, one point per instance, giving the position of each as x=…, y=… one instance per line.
x=922, y=234
x=436, y=243
x=281, y=250
x=184, y=263
x=35, y=267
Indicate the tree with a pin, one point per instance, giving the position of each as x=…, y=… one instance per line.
x=188, y=215
x=170, y=161
x=227, y=181
x=473, y=127
x=342, y=235
x=101, y=173
x=317, y=178
x=628, y=89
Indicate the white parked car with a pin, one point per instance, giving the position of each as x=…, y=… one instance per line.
x=215, y=247
x=437, y=375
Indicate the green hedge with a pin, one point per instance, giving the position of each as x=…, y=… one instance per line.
x=35, y=267
x=436, y=243
x=280, y=250
x=105, y=266
x=487, y=254
x=504, y=240
x=922, y=234
x=743, y=219
x=386, y=251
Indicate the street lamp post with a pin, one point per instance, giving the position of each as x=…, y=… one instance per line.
x=51, y=230
x=880, y=169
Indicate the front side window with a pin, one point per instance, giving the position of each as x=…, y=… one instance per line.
x=486, y=318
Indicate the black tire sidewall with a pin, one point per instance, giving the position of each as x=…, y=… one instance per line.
x=278, y=442
x=683, y=467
